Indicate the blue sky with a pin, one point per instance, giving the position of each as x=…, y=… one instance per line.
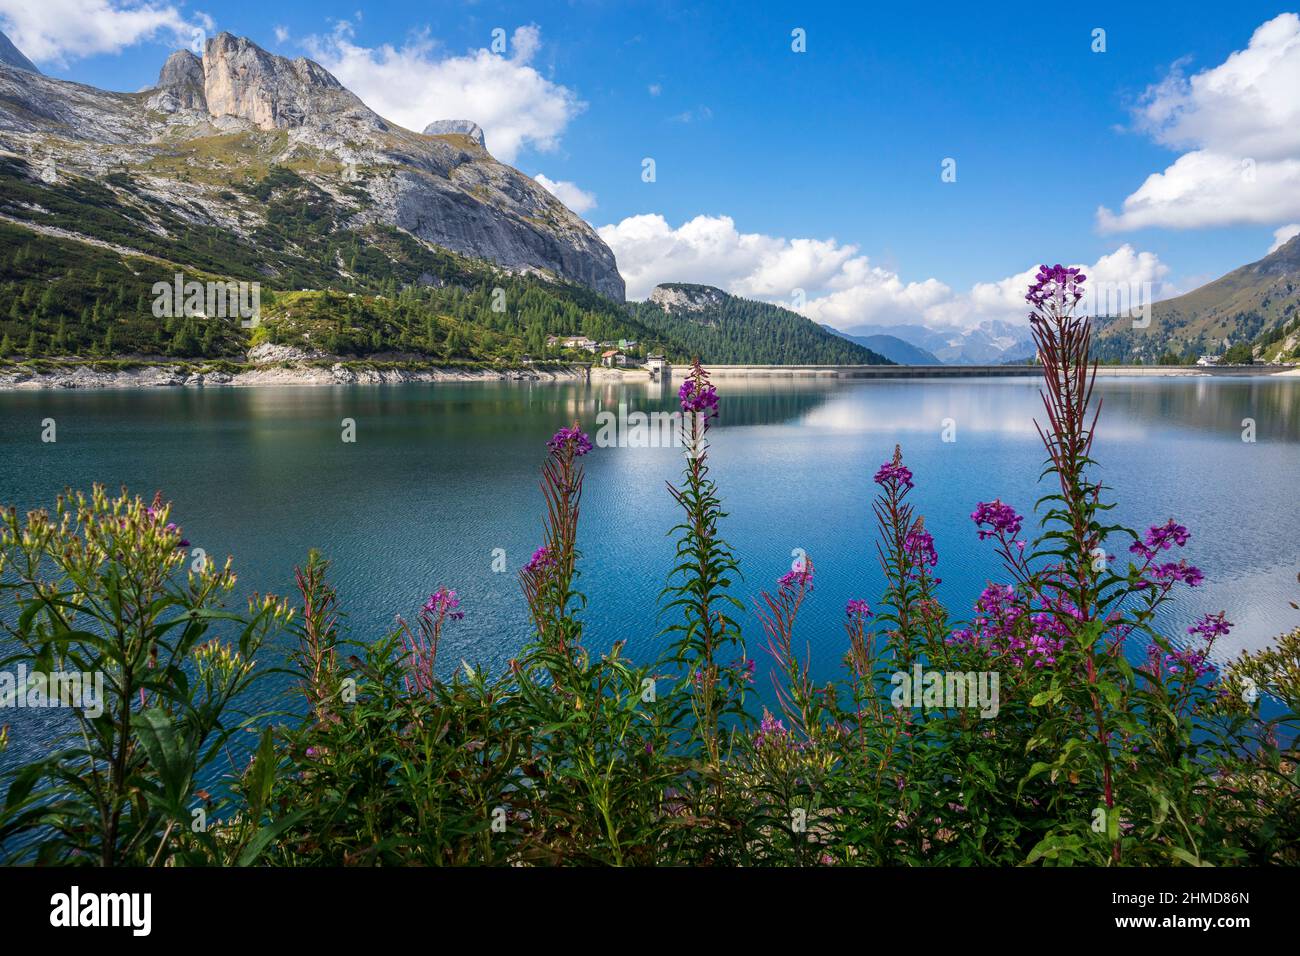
x=840, y=146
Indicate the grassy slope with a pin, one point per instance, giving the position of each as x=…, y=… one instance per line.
x=1258, y=303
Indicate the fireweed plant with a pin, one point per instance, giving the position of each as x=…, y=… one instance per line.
x=1111, y=744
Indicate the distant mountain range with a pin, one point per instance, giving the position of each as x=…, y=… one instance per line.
x=891, y=347
x=1257, y=305
x=992, y=342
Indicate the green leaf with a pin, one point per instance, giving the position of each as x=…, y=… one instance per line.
x=264, y=836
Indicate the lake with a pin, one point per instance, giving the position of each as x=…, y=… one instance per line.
x=441, y=475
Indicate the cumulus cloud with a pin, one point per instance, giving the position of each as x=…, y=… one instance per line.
x=281, y=33
x=416, y=84
x=1284, y=235
x=1240, y=124
x=832, y=282
x=57, y=31
x=577, y=199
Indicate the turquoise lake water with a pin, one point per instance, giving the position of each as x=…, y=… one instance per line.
x=441, y=475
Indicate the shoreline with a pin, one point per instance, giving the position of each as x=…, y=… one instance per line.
x=144, y=373
x=148, y=374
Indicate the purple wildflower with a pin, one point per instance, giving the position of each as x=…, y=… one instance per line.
x=569, y=436
x=542, y=560
x=697, y=398
x=1192, y=662
x=1001, y=519
x=1180, y=571
x=896, y=473
x=443, y=602
x=1004, y=626
x=770, y=730
x=1160, y=538
x=799, y=577
x=1056, y=284
x=858, y=608
x=919, y=543
x=1211, y=626
x=745, y=669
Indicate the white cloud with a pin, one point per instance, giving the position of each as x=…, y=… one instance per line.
x=281, y=33
x=415, y=84
x=1284, y=235
x=654, y=89
x=699, y=114
x=579, y=200
x=1240, y=122
x=56, y=31
x=840, y=286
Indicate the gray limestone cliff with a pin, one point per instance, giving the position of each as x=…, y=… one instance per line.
x=13, y=56
x=224, y=119
x=452, y=127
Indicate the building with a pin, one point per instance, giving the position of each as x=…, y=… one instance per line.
x=658, y=365
x=571, y=342
x=608, y=356
x=1209, y=360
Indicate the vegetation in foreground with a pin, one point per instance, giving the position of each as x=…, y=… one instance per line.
x=572, y=756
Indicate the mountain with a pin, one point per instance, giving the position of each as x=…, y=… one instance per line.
x=721, y=327
x=190, y=148
x=992, y=342
x=457, y=128
x=891, y=347
x=10, y=55
x=1256, y=305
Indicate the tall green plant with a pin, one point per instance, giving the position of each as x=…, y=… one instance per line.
x=97, y=589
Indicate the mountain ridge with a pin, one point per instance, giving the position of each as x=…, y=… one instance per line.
x=708, y=320
x=445, y=190
x=11, y=55
x=1257, y=304
x=891, y=347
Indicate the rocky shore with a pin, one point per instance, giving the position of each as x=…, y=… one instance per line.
x=267, y=365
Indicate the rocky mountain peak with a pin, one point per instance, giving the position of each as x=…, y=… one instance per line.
x=456, y=127
x=13, y=56
x=181, y=84
x=1284, y=260
x=681, y=297
x=443, y=190
x=241, y=79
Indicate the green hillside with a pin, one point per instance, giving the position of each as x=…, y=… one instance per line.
x=711, y=322
x=1255, y=307
x=62, y=296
